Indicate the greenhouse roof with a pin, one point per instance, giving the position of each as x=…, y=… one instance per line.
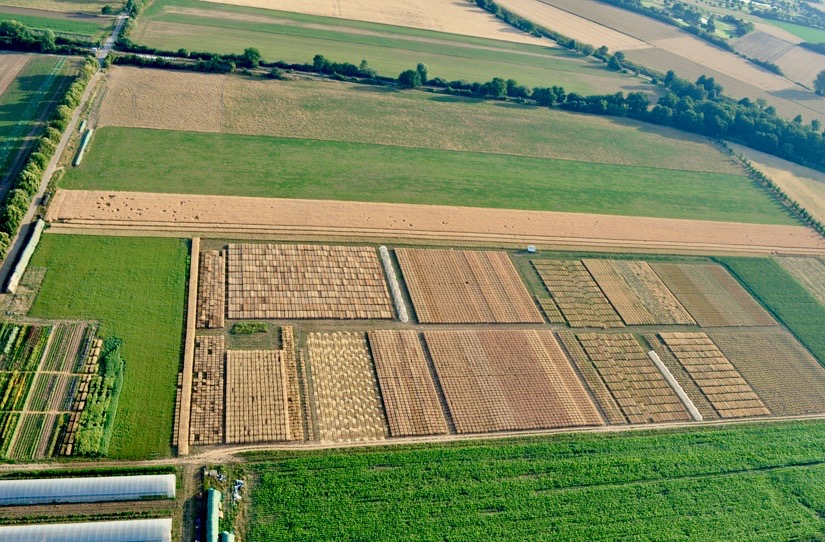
x=91, y=489
x=140, y=530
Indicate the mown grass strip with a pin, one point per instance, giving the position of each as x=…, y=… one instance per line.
x=61, y=25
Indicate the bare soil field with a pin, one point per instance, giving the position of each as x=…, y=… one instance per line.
x=798, y=64
x=810, y=272
x=463, y=287
x=805, y=185
x=159, y=99
x=508, y=380
x=79, y=210
x=452, y=16
x=10, y=66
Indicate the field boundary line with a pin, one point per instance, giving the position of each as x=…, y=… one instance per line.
x=189, y=348
x=694, y=412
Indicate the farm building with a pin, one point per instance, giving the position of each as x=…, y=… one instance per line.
x=140, y=530
x=81, y=490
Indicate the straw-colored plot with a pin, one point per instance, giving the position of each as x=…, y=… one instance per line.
x=465, y=286
x=207, y=409
x=729, y=393
x=508, y=380
x=712, y=296
x=345, y=388
x=293, y=398
x=576, y=294
x=211, y=289
x=809, y=272
x=306, y=281
x=410, y=397
x=256, y=392
x=639, y=296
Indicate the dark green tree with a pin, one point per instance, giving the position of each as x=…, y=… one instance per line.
x=409, y=79
x=819, y=83
x=251, y=57
x=423, y=73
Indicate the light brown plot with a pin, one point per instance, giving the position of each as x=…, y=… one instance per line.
x=211, y=289
x=256, y=397
x=206, y=420
x=810, y=272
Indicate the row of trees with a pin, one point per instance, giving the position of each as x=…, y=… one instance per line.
x=16, y=36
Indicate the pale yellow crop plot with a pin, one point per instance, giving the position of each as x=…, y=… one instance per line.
x=454, y=17
x=805, y=185
x=65, y=6
x=810, y=272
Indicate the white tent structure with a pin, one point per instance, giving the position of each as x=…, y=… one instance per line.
x=139, y=530
x=84, y=490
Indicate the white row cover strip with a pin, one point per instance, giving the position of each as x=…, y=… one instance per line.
x=140, y=530
x=395, y=289
x=25, y=257
x=85, y=490
x=675, y=385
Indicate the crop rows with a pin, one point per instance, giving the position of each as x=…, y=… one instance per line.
x=53, y=392
x=66, y=351
x=637, y=294
x=409, y=394
x=306, y=281
x=455, y=286
x=785, y=375
x=22, y=346
x=729, y=394
x=639, y=388
x=14, y=388
x=550, y=309
x=293, y=397
x=345, y=388
x=8, y=423
x=712, y=296
x=207, y=411
x=576, y=294
x=508, y=380
x=810, y=272
x=211, y=289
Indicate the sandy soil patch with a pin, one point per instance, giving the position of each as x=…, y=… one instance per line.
x=763, y=46
x=142, y=212
x=452, y=16
x=802, y=65
x=572, y=25
x=342, y=112
x=10, y=66
x=805, y=185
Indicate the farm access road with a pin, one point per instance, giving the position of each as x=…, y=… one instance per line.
x=137, y=213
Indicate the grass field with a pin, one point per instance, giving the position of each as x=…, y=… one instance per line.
x=135, y=288
x=30, y=98
x=76, y=28
x=764, y=482
x=184, y=162
x=297, y=38
x=64, y=6
x=788, y=300
x=813, y=35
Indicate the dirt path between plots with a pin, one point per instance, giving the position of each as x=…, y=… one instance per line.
x=10, y=66
x=133, y=213
x=86, y=509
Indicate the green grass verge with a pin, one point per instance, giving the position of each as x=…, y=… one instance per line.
x=813, y=35
x=760, y=482
x=136, y=288
x=184, y=162
x=298, y=38
x=788, y=300
x=92, y=29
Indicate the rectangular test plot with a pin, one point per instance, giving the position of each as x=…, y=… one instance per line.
x=211, y=289
x=207, y=410
x=576, y=294
x=256, y=392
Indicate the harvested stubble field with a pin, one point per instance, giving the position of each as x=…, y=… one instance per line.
x=463, y=287
x=508, y=380
x=797, y=63
x=786, y=377
x=345, y=389
x=810, y=272
x=712, y=296
x=211, y=289
x=206, y=420
x=576, y=294
x=407, y=389
x=637, y=386
x=256, y=397
x=730, y=395
x=64, y=6
x=80, y=210
x=637, y=293
x=306, y=281
x=10, y=66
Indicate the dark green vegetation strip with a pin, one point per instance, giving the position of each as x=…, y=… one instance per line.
x=764, y=482
x=136, y=288
x=91, y=28
x=788, y=300
x=222, y=164
x=389, y=49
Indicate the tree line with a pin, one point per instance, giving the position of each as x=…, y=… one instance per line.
x=16, y=36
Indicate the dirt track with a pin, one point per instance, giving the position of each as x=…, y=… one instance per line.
x=133, y=213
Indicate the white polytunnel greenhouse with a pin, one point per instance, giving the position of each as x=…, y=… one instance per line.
x=80, y=490
x=138, y=530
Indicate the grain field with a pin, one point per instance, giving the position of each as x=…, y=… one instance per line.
x=576, y=294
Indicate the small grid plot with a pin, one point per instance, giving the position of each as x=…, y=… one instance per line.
x=729, y=393
x=550, y=309
x=787, y=378
x=810, y=272
x=576, y=294
x=206, y=418
x=211, y=289
x=345, y=388
x=465, y=286
x=637, y=293
x=712, y=296
x=508, y=380
x=639, y=388
x=256, y=391
x=306, y=281
x=409, y=394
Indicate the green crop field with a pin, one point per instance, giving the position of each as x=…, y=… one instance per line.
x=755, y=482
x=29, y=100
x=788, y=300
x=813, y=35
x=297, y=38
x=136, y=288
x=76, y=28
x=222, y=164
